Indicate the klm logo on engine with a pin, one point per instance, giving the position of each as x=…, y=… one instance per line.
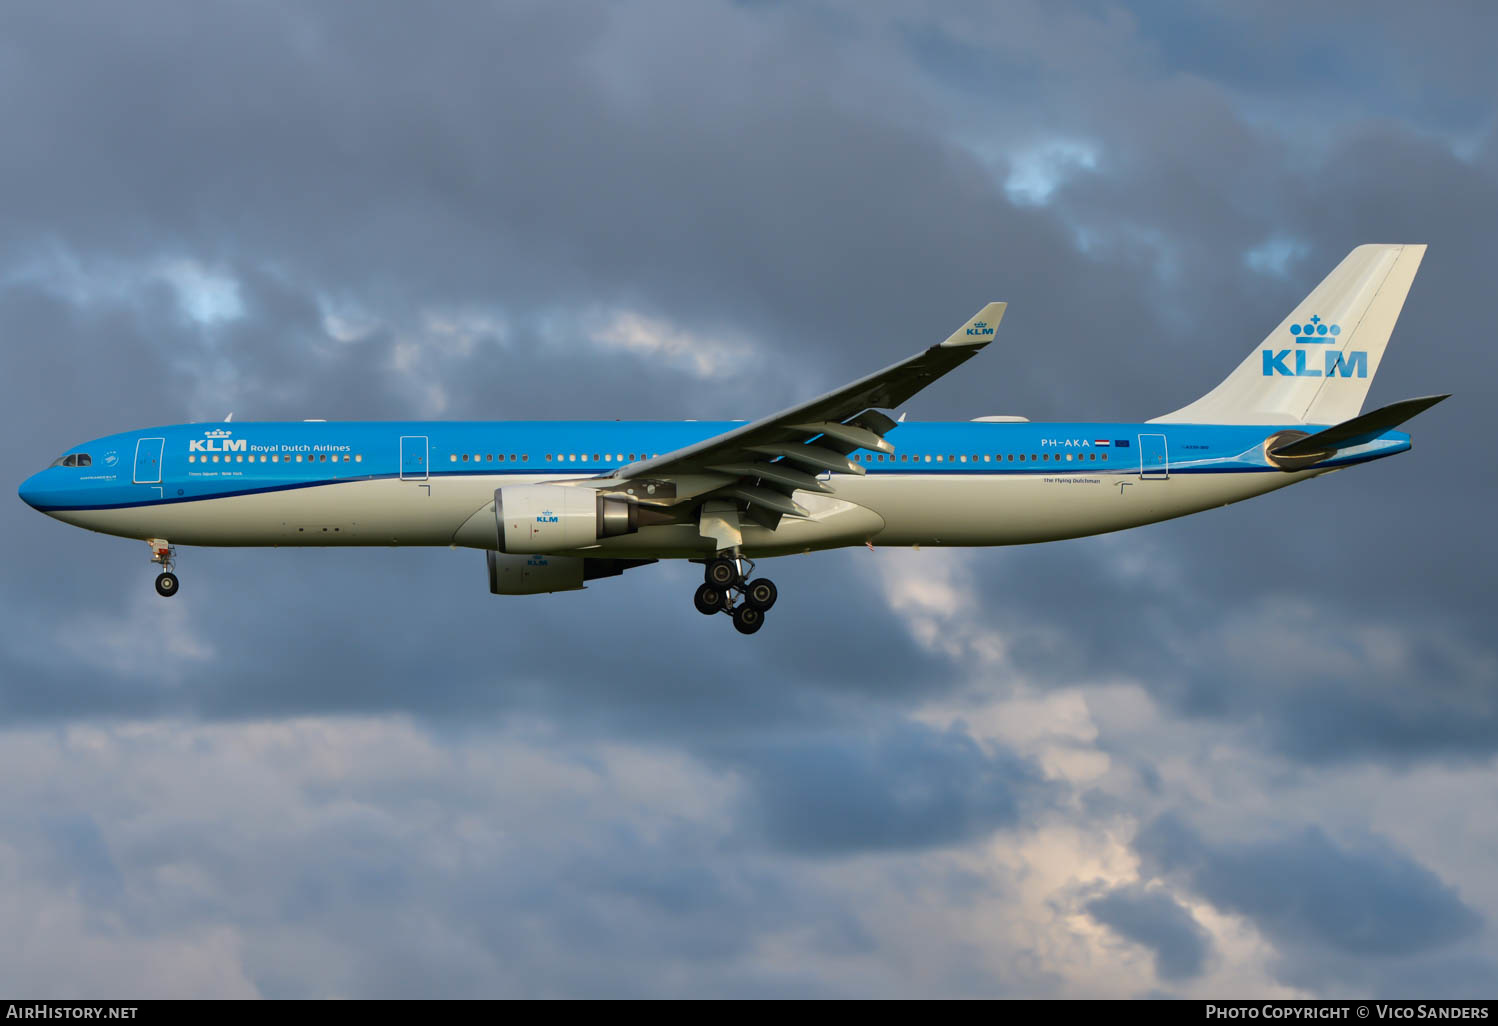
x=979, y=329
x=1297, y=363
x=217, y=441
x=546, y=517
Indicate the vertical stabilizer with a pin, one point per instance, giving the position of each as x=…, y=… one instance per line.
x=1315, y=368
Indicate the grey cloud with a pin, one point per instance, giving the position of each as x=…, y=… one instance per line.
x=1306, y=891
x=910, y=788
x=1157, y=921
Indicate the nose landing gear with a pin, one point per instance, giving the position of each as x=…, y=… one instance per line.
x=727, y=589
x=164, y=553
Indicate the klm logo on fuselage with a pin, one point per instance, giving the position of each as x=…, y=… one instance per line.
x=217, y=441
x=1297, y=363
x=979, y=329
x=546, y=517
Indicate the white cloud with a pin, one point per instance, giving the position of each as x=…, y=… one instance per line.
x=704, y=356
x=1037, y=172
x=204, y=294
x=1277, y=256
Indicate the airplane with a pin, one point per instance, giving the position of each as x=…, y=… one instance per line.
x=556, y=504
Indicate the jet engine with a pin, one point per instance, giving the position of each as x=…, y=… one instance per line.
x=533, y=575
x=552, y=518
x=537, y=575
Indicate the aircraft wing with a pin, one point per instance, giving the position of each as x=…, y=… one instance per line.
x=763, y=462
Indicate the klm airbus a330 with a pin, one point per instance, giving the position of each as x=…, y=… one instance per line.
x=557, y=503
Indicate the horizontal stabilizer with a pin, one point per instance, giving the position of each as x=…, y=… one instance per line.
x=1358, y=430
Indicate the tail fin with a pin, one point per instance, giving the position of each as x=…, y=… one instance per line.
x=1315, y=368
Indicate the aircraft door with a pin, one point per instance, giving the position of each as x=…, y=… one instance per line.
x=148, y=460
x=414, y=457
x=1154, y=458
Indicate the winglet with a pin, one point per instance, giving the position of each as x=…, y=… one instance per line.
x=980, y=330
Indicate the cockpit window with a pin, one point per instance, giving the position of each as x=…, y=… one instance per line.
x=74, y=459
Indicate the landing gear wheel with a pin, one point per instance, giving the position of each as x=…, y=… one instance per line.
x=708, y=600
x=747, y=619
x=722, y=574
x=761, y=594
x=166, y=584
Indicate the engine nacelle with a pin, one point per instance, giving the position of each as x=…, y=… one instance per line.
x=552, y=518
x=533, y=575
x=537, y=575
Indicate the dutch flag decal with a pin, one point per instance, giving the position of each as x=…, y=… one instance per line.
x=1102, y=441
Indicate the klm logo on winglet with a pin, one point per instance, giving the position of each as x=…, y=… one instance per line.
x=1315, y=331
x=546, y=517
x=979, y=328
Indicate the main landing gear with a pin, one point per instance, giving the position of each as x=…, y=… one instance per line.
x=725, y=589
x=165, y=553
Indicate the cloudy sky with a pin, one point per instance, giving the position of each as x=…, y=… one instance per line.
x=1247, y=753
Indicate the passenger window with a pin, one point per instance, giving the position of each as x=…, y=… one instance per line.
x=938, y=457
x=525, y=457
x=465, y=457
x=358, y=457
x=1022, y=457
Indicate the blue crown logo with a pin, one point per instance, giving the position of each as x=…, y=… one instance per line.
x=1315, y=330
x=217, y=434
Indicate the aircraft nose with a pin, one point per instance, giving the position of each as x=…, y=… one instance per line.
x=31, y=491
